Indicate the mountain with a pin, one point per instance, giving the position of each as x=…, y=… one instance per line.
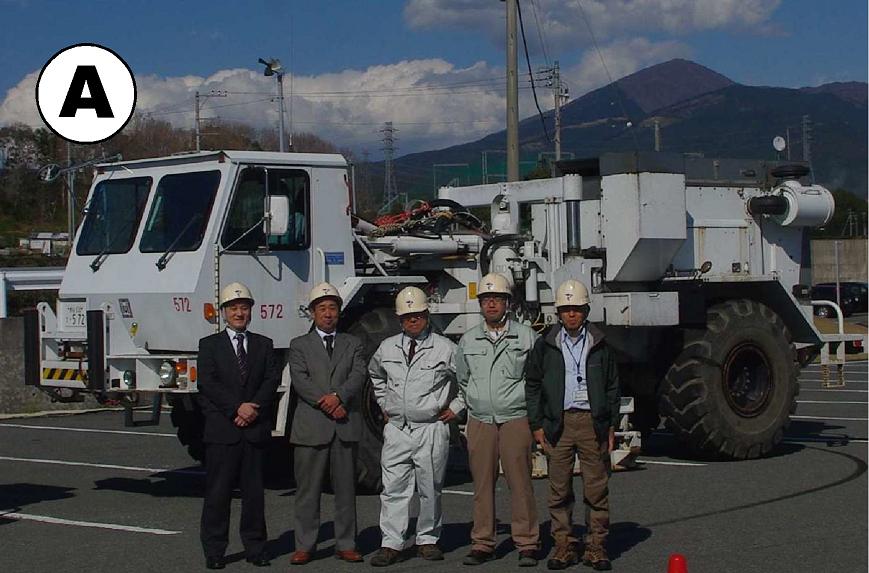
x=698, y=111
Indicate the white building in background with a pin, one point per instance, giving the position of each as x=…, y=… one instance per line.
x=46, y=243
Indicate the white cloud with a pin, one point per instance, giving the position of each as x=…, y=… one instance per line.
x=19, y=106
x=431, y=102
x=564, y=28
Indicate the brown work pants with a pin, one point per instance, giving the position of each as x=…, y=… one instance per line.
x=510, y=443
x=579, y=436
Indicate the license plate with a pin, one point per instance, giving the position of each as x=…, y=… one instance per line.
x=74, y=316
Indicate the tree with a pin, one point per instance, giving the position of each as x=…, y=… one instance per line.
x=838, y=226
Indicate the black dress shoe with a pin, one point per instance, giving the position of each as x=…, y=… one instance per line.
x=215, y=562
x=260, y=560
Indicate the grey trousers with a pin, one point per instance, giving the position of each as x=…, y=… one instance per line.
x=413, y=459
x=311, y=464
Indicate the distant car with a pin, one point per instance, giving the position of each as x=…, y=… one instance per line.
x=849, y=300
x=856, y=290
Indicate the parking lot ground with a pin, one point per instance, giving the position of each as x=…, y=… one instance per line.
x=84, y=493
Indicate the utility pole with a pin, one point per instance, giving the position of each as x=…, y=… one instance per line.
x=281, y=133
x=512, y=95
x=807, y=138
x=70, y=200
x=390, y=191
x=561, y=96
x=198, y=102
x=789, y=142
x=657, y=135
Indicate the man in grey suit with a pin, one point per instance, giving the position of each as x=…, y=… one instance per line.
x=327, y=371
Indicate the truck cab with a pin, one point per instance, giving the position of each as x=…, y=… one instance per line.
x=158, y=240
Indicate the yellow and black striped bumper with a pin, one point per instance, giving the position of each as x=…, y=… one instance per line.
x=63, y=374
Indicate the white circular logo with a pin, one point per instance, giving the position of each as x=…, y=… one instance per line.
x=86, y=93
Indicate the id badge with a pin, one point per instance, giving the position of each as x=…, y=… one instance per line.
x=580, y=396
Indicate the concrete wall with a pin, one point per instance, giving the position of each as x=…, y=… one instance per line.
x=852, y=260
x=15, y=397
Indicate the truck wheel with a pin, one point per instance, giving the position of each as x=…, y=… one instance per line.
x=371, y=328
x=732, y=389
x=188, y=420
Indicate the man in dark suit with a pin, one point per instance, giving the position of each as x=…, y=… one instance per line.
x=328, y=371
x=238, y=378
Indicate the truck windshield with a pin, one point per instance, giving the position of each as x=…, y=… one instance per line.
x=179, y=212
x=113, y=216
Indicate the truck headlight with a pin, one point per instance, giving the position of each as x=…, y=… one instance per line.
x=129, y=379
x=167, y=374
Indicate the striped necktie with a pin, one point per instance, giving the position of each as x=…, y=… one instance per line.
x=241, y=354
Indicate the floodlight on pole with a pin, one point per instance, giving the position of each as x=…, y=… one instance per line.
x=273, y=67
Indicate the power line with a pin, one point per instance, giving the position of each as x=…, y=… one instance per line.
x=540, y=33
x=528, y=61
x=606, y=69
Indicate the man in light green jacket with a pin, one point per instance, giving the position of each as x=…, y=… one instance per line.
x=490, y=368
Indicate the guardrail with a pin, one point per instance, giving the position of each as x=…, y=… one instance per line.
x=28, y=278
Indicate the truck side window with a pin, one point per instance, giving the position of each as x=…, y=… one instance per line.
x=180, y=212
x=246, y=210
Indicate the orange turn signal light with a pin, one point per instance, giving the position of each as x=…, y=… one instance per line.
x=209, y=312
x=181, y=367
x=192, y=374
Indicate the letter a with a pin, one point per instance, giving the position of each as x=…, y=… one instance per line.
x=75, y=100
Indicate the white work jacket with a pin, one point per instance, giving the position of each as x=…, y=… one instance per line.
x=413, y=394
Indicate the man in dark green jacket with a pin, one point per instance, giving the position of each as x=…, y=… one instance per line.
x=572, y=392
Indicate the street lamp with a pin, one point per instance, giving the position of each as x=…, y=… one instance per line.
x=273, y=68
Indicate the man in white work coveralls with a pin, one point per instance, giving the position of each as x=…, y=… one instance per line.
x=413, y=375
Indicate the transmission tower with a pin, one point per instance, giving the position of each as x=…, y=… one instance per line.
x=807, y=138
x=390, y=190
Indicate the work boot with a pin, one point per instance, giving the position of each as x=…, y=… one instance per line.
x=595, y=557
x=385, y=556
x=565, y=555
x=430, y=552
x=477, y=557
x=528, y=558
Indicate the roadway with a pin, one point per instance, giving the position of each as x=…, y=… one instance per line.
x=84, y=493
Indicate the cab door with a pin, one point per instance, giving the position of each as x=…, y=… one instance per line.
x=275, y=268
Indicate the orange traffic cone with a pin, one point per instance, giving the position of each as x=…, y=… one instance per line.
x=677, y=564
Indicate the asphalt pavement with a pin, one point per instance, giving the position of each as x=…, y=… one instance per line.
x=84, y=493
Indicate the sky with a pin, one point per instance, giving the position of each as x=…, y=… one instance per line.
x=435, y=68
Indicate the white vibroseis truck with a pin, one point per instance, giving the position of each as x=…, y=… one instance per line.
x=694, y=267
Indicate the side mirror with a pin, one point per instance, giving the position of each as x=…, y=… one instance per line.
x=277, y=216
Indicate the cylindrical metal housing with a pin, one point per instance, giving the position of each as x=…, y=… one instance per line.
x=808, y=206
x=573, y=226
x=532, y=293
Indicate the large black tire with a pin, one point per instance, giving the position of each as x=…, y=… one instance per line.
x=189, y=422
x=732, y=389
x=371, y=328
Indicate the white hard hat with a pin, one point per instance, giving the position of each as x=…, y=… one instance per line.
x=323, y=290
x=235, y=291
x=410, y=300
x=571, y=293
x=494, y=283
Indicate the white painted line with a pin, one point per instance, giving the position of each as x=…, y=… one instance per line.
x=103, y=466
x=825, y=390
x=457, y=492
x=86, y=430
x=797, y=440
x=832, y=379
x=828, y=402
x=828, y=418
x=114, y=526
x=660, y=463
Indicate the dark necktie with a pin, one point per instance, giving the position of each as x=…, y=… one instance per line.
x=411, y=351
x=329, y=338
x=241, y=355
